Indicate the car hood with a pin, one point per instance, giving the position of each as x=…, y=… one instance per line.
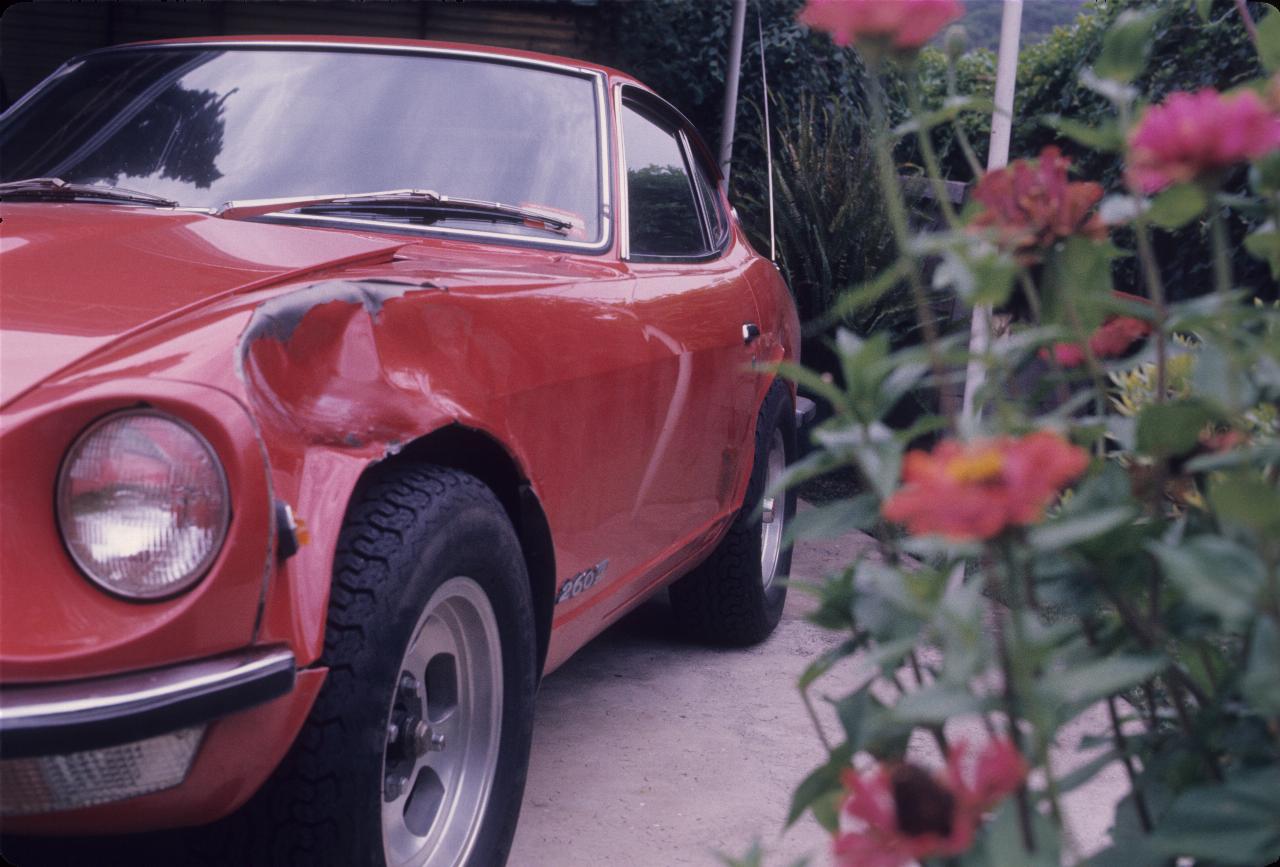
x=75, y=277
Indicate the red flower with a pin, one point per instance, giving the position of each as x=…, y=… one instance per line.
x=1030, y=204
x=902, y=24
x=1191, y=135
x=1113, y=339
x=906, y=814
x=968, y=491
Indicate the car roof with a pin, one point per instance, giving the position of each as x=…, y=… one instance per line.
x=389, y=42
x=615, y=76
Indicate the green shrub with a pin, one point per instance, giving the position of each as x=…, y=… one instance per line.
x=1186, y=53
x=832, y=229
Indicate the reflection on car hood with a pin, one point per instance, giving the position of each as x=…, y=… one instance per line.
x=74, y=277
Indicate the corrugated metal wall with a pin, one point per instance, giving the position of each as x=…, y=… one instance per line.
x=36, y=37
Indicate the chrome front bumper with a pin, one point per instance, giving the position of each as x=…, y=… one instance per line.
x=47, y=719
x=69, y=745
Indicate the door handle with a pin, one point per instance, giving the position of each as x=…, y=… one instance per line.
x=750, y=331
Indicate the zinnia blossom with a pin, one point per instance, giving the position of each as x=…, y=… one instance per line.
x=901, y=24
x=1192, y=135
x=970, y=491
x=1030, y=205
x=1112, y=339
x=906, y=814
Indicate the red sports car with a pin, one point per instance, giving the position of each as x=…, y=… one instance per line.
x=349, y=387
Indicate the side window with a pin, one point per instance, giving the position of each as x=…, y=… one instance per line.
x=716, y=220
x=663, y=214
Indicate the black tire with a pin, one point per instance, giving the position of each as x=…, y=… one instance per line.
x=726, y=600
x=411, y=530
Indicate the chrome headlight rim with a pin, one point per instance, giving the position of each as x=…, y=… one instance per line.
x=63, y=518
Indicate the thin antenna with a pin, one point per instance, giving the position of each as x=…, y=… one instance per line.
x=768, y=142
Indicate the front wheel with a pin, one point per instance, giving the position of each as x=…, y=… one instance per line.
x=734, y=597
x=416, y=751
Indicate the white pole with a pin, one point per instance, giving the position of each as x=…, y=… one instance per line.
x=731, y=88
x=997, y=157
x=768, y=139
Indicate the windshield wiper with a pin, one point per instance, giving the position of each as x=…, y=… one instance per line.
x=427, y=200
x=57, y=188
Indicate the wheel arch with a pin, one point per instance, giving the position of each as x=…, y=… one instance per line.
x=479, y=454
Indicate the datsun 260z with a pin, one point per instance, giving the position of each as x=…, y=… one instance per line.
x=349, y=387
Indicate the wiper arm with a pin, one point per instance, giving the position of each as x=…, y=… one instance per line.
x=410, y=198
x=57, y=188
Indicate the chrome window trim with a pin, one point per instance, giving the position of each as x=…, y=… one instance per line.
x=597, y=77
x=624, y=206
x=686, y=151
x=710, y=252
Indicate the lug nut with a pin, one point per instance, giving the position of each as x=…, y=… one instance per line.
x=409, y=685
x=767, y=510
x=425, y=740
x=392, y=787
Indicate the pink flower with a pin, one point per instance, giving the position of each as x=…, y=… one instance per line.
x=906, y=814
x=902, y=24
x=975, y=490
x=1192, y=135
x=1113, y=339
x=1030, y=204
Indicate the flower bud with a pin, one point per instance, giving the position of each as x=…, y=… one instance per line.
x=956, y=42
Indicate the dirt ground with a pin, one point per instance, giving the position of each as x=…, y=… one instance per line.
x=649, y=751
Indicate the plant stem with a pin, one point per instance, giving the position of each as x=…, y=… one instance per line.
x=962, y=137
x=1061, y=390
x=931, y=165
x=902, y=234
x=1249, y=26
x=1012, y=684
x=813, y=717
x=1122, y=746
x=1221, y=261
x=1155, y=286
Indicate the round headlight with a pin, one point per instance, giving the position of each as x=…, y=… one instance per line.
x=143, y=504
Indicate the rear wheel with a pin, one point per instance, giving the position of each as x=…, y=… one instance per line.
x=735, y=597
x=417, y=748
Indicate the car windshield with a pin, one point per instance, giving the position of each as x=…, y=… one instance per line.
x=204, y=126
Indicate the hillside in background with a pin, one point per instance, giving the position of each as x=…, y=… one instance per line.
x=1039, y=17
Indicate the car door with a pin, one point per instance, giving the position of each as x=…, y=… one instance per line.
x=696, y=309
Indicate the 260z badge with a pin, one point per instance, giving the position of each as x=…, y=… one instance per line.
x=584, y=580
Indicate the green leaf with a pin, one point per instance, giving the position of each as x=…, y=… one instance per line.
x=977, y=277
x=1087, y=683
x=820, y=666
x=1077, y=278
x=1178, y=205
x=1215, y=574
x=1245, y=499
x=1126, y=46
x=1234, y=823
x=1066, y=532
x=1167, y=429
x=834, y=519
x=1261, y=681
x=822, y=781
x=1269, y=40
x=1204, y=8
x=1106, y=138
x=1086, y=772
x=934, y=705
x=1265, y=245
